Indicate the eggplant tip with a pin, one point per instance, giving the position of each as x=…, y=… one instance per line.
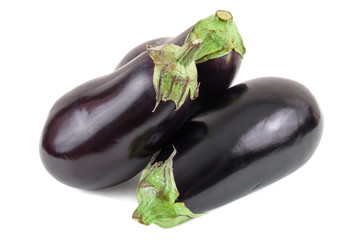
x=224, y=15
x=138, y=218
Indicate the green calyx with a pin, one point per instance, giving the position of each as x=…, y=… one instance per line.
x=156, y=195
x=219, y=34
x=175, y=72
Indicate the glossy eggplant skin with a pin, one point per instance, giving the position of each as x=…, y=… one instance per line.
x=103, y=132
x=255, y=134
x=215, y=75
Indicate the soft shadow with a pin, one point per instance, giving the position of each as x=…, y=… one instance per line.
x=126, y=189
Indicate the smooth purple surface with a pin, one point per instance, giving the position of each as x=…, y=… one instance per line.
x=254, y=134
x=104, y=131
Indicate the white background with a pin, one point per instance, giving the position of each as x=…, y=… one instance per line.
x=49, y=47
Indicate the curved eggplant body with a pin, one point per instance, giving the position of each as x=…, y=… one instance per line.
x=102, y=132
x=255, y=134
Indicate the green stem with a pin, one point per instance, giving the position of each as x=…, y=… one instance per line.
x=224, y=15
x=219, y=34
x=175, y=72
x=187, y=53
x=156, y=195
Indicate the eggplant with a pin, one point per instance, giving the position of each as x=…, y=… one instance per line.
x=251, y=136
x=216, y=70
x=104, y=131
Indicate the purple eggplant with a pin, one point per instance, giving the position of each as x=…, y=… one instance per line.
x=251, y=136
x=216, y=71
x=104, y=131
